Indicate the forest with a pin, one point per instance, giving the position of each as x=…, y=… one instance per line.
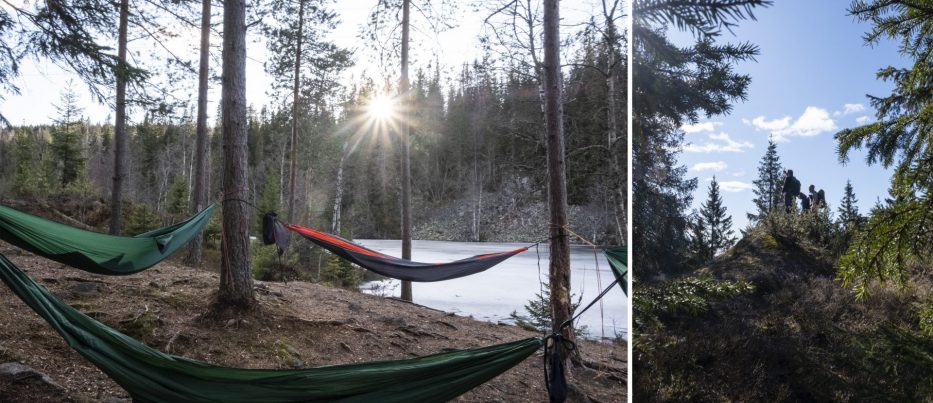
x=477, y=141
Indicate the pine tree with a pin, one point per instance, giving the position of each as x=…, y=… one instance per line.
x=68, y=140
x=700, y=250
x=848, y=210
x=899, y=138
x=717, y=223
x=768, y=185
x=675, y=85
x=27, y=177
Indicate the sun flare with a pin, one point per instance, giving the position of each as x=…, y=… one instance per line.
x=381, y=107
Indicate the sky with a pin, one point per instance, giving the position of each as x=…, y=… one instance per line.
x=810, y=81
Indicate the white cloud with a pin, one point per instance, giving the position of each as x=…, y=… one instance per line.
x=862, y=120
x=734, y=186
x=721, y=142
x=701, y=127
x=717, y=166
x=813, y=121
x=739, y=173
x=852, y=108
x=761, y=123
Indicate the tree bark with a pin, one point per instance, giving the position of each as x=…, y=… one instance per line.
x=616, y=177
x=195, y=251
x=338, y=198
x=119, y=149
x=236, y=282
x=557, y=175
x=293, y=164
x=406, y=163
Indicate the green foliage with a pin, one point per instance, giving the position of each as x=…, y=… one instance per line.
x=268, y=265
x=894, y=236
x=768, y=186
x=269, y=200
x=67, y=146
x=673, y=87
x=848, y=208
x=816, y=227
x=926, y=319
x=899, y=231
x=684, y=296
x=712, y=229
x=896, y=362
x=538, y=310
x=176, y=202
x=27, y=175
x=338, y=272
x=142, y=219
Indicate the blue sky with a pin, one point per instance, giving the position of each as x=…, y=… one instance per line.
x=809, y=82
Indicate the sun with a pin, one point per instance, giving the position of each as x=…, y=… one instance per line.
x=381, y=107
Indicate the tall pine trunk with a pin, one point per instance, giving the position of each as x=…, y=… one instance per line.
x=406, y=164
x=293, y=156
x=617, y=181
x=557, y=175
x=119, y=149
x=236, y=282
x=338, y=198
x=195, y=251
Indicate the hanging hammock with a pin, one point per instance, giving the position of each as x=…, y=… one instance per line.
x=402, y=269
x=150, y=375
x=95, y=252
x=617, y=257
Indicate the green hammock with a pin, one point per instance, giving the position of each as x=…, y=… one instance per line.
x=153, y=376
x=617, y=255
x=95, y=252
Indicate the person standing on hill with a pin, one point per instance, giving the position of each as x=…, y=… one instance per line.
x=791, y=189
x=817, y=198
x=804, y=202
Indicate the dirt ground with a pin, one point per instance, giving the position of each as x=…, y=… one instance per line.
x=297, y=324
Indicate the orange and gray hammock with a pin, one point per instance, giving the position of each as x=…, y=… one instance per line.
x=402, y=269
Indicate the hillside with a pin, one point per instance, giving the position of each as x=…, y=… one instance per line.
x=795, y=335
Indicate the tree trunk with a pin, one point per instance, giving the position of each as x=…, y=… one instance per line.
x=293, y=156
x=119, y=149
x=616, y=177
x=406, y=164
x=338, y=198
x=236, y=282
x=195, y=251
x=557, y=176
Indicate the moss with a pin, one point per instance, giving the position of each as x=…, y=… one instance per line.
x=768, y=242
x=288, y=355
x=140, y=326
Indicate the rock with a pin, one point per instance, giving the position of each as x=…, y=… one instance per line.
x=288, y=354
x=19, y=382
x=353, y=306
x=85, y=289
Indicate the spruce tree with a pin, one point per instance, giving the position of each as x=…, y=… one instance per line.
x=899, y=138
x=68, y=140
x=848, y=210
x=718, y=224
x=700, y=250
x=768, y=185
x=674, y=86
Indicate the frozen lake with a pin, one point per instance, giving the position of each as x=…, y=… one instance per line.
x=495, y=293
